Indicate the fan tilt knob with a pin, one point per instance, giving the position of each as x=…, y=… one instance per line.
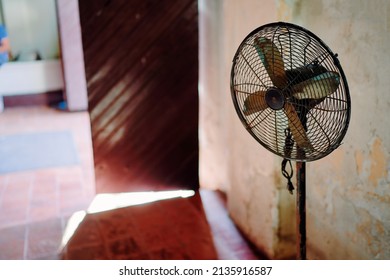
x=274, y=98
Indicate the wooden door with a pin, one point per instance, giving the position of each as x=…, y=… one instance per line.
x=141, y=61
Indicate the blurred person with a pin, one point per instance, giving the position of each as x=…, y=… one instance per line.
x=4, y=45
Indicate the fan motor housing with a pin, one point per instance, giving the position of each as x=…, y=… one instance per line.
x=274, y=98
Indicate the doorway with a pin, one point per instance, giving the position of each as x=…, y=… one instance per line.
x=38, y=196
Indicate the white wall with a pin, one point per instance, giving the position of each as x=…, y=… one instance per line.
x=72, y=55
x=32, y=26
x=31, y=77
x=32, y=29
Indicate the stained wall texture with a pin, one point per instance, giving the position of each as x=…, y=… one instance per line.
x=348, y=202
x=348, y=191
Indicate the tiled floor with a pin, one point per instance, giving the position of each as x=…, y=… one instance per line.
x=196, y=227
x=35, y=204
x=35, y=207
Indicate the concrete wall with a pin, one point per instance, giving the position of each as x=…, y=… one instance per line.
x=348, y=207
x=230, y=159
x=348, y=191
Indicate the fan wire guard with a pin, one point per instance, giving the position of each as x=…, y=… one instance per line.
x=325, y=120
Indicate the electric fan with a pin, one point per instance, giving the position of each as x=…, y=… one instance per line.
x=291, y=94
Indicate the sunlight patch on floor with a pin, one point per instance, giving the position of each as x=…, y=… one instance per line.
x=110, y=201
x=74, y=221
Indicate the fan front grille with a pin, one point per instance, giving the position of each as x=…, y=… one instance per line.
x=310, y=125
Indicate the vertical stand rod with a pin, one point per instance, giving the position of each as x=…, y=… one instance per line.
x=301, y=210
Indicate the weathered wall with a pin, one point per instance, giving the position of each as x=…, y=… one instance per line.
x=348, y=209
x=348, y=191
x=230, y=159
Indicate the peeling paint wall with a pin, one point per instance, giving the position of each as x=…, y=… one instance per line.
x=348, y=192
x=348, y=196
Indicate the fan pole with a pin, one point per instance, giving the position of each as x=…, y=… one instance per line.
x=301, y=210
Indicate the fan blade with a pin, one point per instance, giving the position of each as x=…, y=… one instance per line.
x=317, y=87
x=296, y=127
x=272, y=60
x=255, y=103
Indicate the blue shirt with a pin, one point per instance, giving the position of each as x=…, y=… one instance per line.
x=3, y=55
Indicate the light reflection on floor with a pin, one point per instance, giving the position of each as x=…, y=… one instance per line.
x=109, y=201
x=112, y=201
